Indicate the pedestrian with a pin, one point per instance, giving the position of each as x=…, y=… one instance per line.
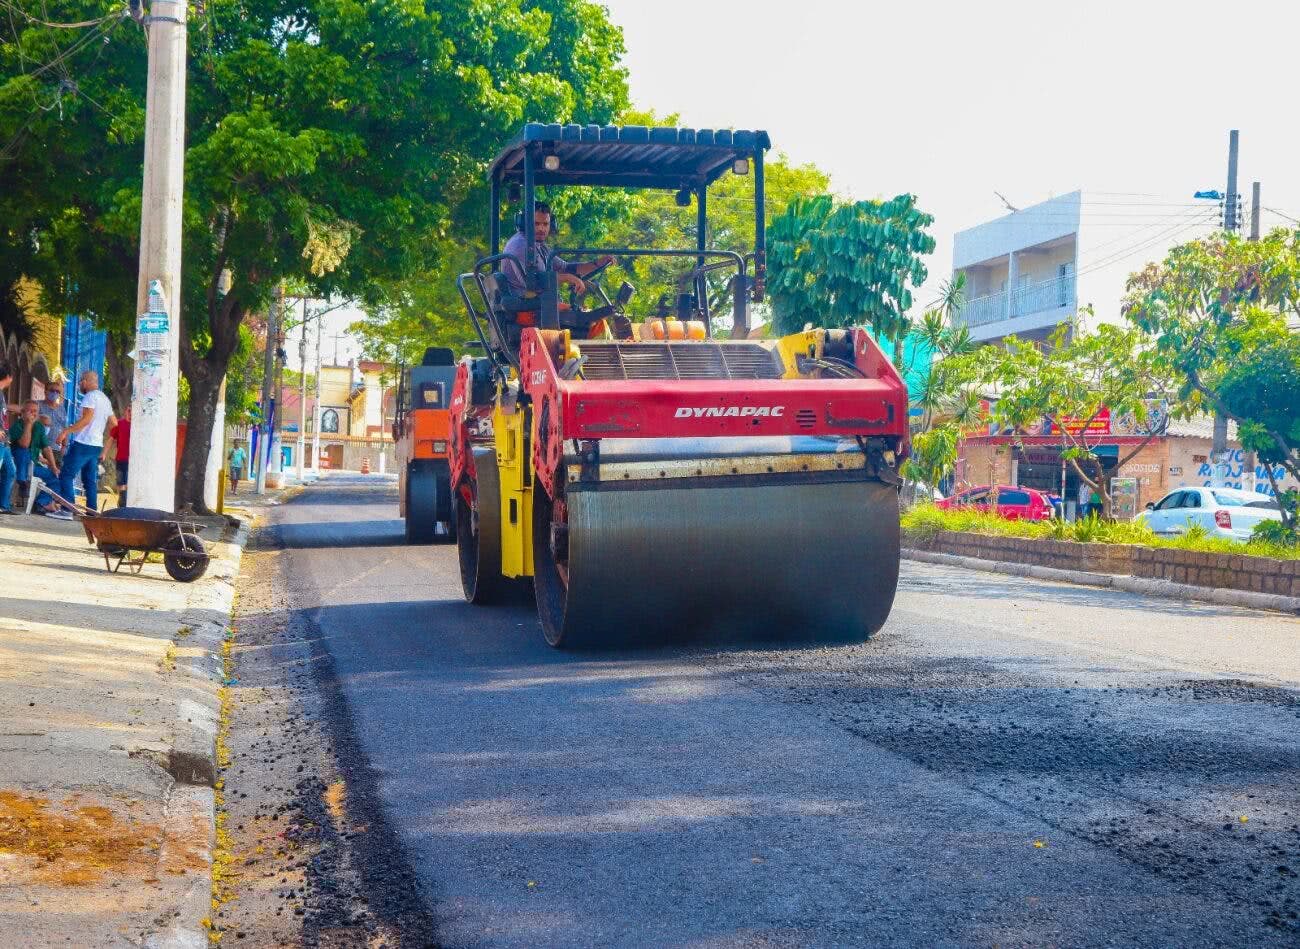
x=8, y=472
x=54, y=418
x=236, y=463
x=83, y=443
x=1085, y=493
x=29, y=442
x=122, y=435
x=1094, y=502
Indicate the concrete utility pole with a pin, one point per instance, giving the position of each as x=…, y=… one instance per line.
x=268, y=380
x=155, y=388
x=1254, y=210
x=212, y=477
x=315, y=412
x=301, y=445
x=1219, y=445
x=1250, y=463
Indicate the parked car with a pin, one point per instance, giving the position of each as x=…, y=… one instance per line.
x=1016, y=504
x=1224, y=512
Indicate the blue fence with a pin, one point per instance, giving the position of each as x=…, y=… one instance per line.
x=84, y=347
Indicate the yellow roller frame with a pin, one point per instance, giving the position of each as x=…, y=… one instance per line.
x=807, y=343
x=516, y=476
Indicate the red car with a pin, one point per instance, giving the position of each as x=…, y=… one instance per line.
x=1016, y=504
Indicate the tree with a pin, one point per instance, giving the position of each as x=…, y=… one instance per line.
x=950, y=398
x=332, y=144
x=1261, y=389
x=836, y=264
x=1072, y=382
x=1218, y=309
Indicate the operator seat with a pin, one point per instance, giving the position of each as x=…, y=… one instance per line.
x=513, y=313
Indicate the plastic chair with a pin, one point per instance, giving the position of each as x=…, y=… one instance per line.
x=34, y=489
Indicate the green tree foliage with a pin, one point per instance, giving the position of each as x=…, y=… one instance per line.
x=835, y=263
x=950, y=397
x=1071, y=381
x=331, y=143
x=425, y=310
x=1219, y=310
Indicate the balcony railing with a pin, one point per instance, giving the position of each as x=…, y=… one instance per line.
x=1009, y=304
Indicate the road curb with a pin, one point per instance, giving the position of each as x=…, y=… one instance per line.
x=1128, y=584
x=192, y=758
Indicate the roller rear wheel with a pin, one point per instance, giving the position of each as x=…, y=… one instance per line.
x=478, y=534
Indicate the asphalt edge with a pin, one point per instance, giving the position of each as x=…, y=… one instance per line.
x=1128, y=584
x=192, y=759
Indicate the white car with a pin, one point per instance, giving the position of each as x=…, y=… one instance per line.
x=1223, y=512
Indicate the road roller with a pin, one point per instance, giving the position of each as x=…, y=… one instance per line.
x=668, y=474
x=420, y=430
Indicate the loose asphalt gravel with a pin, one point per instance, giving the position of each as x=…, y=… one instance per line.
x=1009, y=762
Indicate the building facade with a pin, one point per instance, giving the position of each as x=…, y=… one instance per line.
x=350, y=433
x=1032, y=270
x=1178, y=458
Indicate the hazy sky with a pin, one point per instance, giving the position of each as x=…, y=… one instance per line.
x=953, y=100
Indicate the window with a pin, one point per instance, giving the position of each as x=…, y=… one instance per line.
x=329, y=421
x=1191, y=499
x=1171, y=501
x=1244, y=499
x=1013, y=497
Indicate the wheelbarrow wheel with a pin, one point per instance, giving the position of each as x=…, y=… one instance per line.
x=186, y=569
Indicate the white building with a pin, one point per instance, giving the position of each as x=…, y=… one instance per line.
x=1030, y=271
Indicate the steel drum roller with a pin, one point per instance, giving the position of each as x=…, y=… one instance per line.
x=812, y=561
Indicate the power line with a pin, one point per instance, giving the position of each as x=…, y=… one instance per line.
x=1280, y=214
x=37, y=21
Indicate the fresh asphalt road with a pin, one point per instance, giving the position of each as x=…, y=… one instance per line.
x=1009, y=762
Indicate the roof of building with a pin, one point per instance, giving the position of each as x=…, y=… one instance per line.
x=1199, y=426
x=629, y=155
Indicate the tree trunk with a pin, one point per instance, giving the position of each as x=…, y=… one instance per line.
x=205, y=389
x=120, y=370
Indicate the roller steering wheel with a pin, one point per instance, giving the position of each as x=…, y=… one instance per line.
x=576, y=296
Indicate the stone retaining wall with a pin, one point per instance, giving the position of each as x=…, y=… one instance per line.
x=1223, y=571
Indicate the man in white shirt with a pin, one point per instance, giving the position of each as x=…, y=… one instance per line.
x=83, y=442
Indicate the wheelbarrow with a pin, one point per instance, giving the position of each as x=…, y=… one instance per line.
x=124, y=531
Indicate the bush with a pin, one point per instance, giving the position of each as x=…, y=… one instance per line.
x=924, y=521
x=1274, y=533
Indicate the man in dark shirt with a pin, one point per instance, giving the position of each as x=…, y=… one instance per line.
x=29, y=442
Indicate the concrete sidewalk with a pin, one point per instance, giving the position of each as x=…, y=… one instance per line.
x=109, y=711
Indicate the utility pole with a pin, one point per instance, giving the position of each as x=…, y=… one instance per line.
x=1254, y=210
x=301, y=445
x=212, y=478
x=1250, y=462
x=155, y=389
x=1219, y=445
x=315, y=412
x=268, y=379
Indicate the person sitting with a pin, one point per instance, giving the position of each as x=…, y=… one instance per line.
x=29, y=442
x=7, y=469
x=54, y=418
x=517, y=266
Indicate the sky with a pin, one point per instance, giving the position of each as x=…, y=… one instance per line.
x=951, y=101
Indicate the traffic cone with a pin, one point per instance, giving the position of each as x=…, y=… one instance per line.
x=365, y=465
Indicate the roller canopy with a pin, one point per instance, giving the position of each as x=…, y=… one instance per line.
x=628, y=155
